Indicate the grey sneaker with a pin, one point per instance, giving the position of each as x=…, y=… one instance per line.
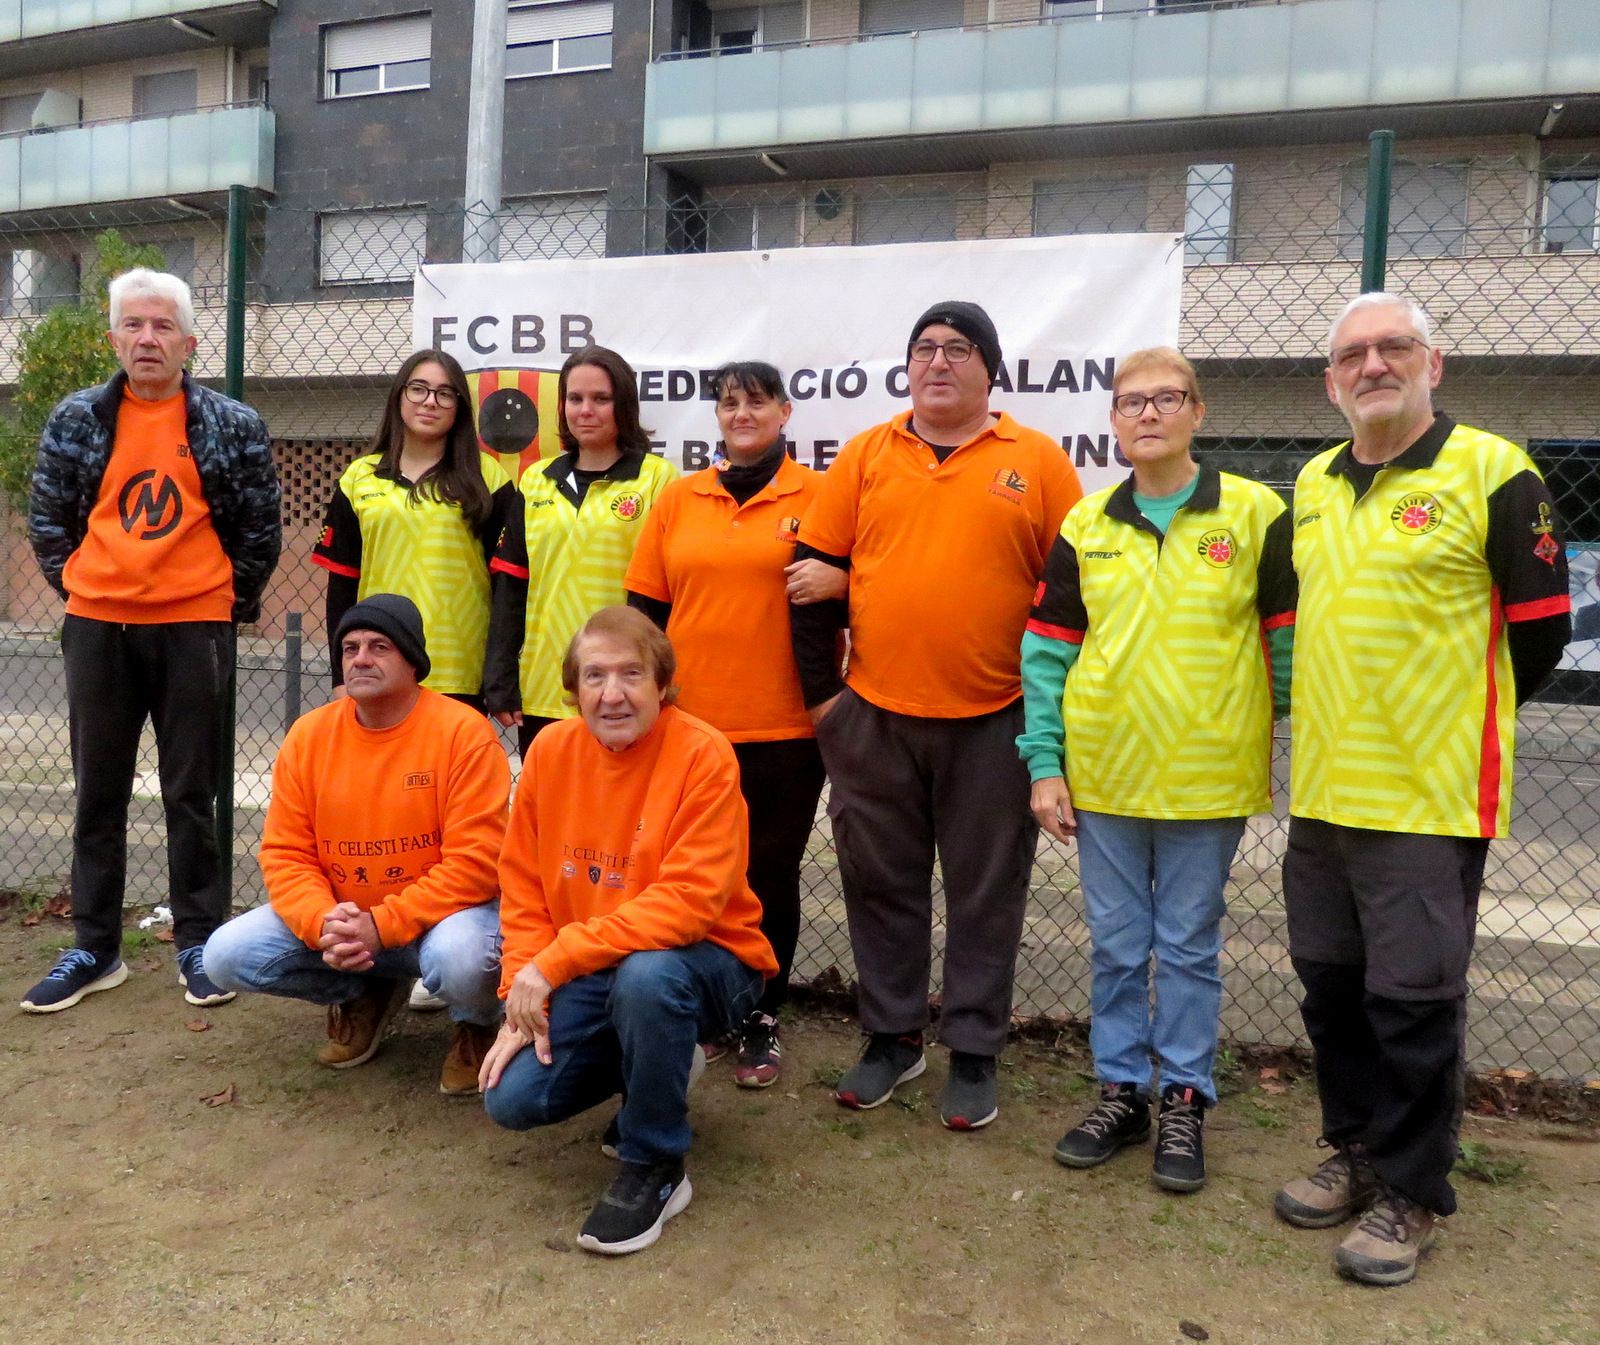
x=1342, y=1187
x=1386, y=1245
x=968, y=1101
x=889, y=1061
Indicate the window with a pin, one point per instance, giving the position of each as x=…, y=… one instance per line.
x=258, y=86
x=570, y=225
x=377, y=56
x=1427, y=209
x=927, y=219
x=1571, y=215
x=163, y=95
x=177, y=257
x=751, y=26
x=751, y=228
x=909, y=16
x=1208, y=213
x=365, y=247
x=1062, y=206
x=550, y=37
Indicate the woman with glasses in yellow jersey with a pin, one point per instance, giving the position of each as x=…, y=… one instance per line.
x=1154, y=660
x=419, y=514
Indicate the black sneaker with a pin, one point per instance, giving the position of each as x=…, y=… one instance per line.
x=1180, y=1141
x=890, y=1060
x=198, y=988
x=760, y=1058
x=968, y=1101
x=630, y=1214
x=77, y=973
x=1121, y=1117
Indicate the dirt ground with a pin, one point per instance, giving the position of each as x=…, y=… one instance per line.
x=362, y=1206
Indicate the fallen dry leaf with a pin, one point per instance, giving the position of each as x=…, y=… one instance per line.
x=1194, y=1330
x=221, y=1099
x=1274, y=1087
x=198, y=1025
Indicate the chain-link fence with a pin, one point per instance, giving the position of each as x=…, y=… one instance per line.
x=1504, y=252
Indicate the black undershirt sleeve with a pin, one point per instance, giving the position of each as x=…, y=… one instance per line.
x=508, y=617
x=814, y=634
x=659, y=610
x=1527, y=557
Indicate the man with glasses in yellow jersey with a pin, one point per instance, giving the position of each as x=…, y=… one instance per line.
x=944, y=516
x=1433, y=601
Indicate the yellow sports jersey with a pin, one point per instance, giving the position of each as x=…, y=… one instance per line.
x=422, y=548
x=1404, y=703
x=573, y=559
x=1167, y=707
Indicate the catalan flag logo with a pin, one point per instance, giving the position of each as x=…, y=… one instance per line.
x=516, y=410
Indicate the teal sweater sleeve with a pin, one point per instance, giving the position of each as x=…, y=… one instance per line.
x=1045, y=665
x=1280, y=658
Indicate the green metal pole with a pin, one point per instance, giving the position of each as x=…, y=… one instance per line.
x=1375, y=241
x=233, y=385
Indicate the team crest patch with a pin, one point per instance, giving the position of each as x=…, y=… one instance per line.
x=1546, y=548
x=789, y=530
x=594, y=873
x=327, y=536
x=628, y=505
x=1009, y=485
x=568, y=869
x=1416, y=515
x=1217, y=548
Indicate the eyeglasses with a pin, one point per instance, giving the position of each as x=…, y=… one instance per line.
x=955, y=352
x=1391, y=350
x=1168, y=402
x=419, y=392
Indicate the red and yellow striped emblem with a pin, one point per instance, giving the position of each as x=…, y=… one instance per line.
x=516, y=415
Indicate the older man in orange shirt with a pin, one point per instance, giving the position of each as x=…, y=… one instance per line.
x=630, y=933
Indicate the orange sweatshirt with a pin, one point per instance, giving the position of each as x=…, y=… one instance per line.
x=404, y=822
x=611, y=853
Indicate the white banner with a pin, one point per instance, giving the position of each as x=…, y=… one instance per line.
x=835, y=320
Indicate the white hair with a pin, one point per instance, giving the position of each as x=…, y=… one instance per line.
x=1377, y=298
x=142, y=283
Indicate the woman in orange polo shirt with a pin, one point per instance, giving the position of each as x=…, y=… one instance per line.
x=709, y=570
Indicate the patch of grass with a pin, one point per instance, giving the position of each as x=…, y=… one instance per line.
x=1265, y=1117
x=827, y=1075
x=50, y=947
x=913, y=1101
x=137, y=941
x=1225, y=1069
x=1162, y=1217
x=1483, y=1164
x=849, y=1129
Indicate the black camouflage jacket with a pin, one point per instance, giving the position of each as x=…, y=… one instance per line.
x=231, y=452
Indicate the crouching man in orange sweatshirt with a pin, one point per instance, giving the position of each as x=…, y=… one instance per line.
x=379, y=852
x=629, y=931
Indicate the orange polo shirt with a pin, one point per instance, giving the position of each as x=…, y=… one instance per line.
x=150, y=554
x=720, y=564
x=944, y=559
x=610, y=853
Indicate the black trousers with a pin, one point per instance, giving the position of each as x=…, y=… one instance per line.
x=176, y=675
x=781, y=783
x=1381, y=927
x=903, y=788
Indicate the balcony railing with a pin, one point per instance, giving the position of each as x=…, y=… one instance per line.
x=183, y=154
x=24, y=19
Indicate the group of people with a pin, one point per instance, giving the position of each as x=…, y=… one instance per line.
x=940, y=625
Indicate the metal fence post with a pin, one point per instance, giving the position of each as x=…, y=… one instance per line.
x=1375, y=238
x=293, y=660
x=233, y=386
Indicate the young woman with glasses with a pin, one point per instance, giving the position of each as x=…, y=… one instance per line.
x=419, y=514
x=1154, y=661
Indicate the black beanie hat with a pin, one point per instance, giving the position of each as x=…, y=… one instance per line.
x=395, y=616
x=971, y=321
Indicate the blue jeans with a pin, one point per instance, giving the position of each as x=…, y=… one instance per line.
x=458, y=959
x=1155, y=886
x=629, y=1029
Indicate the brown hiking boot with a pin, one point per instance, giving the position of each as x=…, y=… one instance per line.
x=355, y=1030
x=465, y=1058
x=1385, y=1246
x=1342, y=1187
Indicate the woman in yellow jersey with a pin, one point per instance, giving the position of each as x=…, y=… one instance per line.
x=1155, y=658
x=563, y=555
x=419, y=514
x=709, y=570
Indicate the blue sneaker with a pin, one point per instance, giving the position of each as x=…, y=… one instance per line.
x=77, y=973
x=198, y=988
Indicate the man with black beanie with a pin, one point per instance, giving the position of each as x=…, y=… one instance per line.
x=380, y=852
x=944, y=516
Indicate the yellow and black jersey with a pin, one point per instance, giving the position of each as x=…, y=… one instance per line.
x=377, y=538
x=1404, y=699
x=561, y=559
x=1167, y=706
